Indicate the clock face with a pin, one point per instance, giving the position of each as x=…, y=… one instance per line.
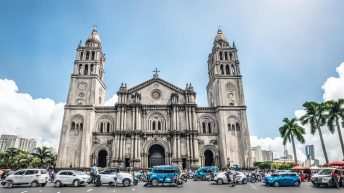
x=82, y=85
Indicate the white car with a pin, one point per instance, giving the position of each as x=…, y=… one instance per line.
x=323, y=177
x=31, y=177
x=108, y=177
x=221, y=177
x=70, y=177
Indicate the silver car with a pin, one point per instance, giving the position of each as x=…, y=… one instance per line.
x=221, y=178
x=109, y=176
x=71, y=177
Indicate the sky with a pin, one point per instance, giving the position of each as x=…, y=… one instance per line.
x=288, y=51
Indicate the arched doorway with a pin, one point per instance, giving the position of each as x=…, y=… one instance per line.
x=102, y=154
x=208, y=158
x=156, y=155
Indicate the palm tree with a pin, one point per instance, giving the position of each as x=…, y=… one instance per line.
x=10, y=155
x=42, y=154
x=289, y=131
x=316, y=117
x=335, y=113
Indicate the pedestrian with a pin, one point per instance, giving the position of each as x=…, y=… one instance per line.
x=334, y=176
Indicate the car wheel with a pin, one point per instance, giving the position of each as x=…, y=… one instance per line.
x=9, y=184
x=154, y=182
x=244, y=181
x=43, y=184
x=34, y=184
x=219, y=181
x=296, y=183
x=276, y=184
x=76, y=183
x=58, y=184
x=195, y=178
x=204, y=178
x=126, y=182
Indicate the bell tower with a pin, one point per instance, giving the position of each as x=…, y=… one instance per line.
x=86, y=90
x=226, y=95
x=87, y=86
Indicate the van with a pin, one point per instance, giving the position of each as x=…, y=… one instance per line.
x=163, y=174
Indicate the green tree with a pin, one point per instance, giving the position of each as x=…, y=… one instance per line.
x=44, y=155
x=335, y=113
x=10, y=155
x=291, y=130
x=264, y=165
x=316, y=117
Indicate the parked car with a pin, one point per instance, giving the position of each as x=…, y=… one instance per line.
x=221, y=178
x=71, y=177
x=283, y=179
x=163, y=174
x=203, y=172
x=31, y=177
x=109, y=176
x=323, y=177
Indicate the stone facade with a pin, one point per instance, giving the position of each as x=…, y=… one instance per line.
x=155, y=122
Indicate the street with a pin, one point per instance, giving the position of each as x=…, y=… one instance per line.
x=189, y=187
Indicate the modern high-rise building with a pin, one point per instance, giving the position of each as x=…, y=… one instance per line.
x=310, y=152
x=13, y=141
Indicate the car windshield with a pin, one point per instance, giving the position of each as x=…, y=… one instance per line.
x=325, y=172
x=80, y=173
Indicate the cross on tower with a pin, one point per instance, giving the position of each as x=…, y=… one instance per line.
x=156, y=72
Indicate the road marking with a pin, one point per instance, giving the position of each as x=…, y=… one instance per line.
x=89, y=190
x=24, y=191
x=133, y=189
x=58, y=192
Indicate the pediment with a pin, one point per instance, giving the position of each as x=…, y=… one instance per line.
x=156, y=81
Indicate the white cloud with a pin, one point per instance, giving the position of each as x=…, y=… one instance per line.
x=334, y=86
x=27, y=117
x=333, y=89
x=111, y=101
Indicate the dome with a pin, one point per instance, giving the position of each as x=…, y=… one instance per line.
x=220, y=36
x=94, y=36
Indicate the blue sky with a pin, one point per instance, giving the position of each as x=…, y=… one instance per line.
x=287, y=49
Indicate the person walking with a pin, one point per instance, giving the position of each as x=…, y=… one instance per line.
x=334, y=176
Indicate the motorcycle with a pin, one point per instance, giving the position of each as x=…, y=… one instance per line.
x=232, y=179
x=96, y=181
x=179, y=180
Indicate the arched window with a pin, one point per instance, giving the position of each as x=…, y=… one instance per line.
x=209, y=127
x=77, y=124
x=80, y=68
x=227, y=69
x=230, y=56
x=233, y=127
x=87, y=55
x=153, y=126
x=92, y=55
x=233, y=69
x=203, y=127
x=229, y=127
x=226, y=55
x=92, y=68
x=108, y=127
x=237, y=126
x=86, y=70
x=221, y=69
x=156, y=122
x=81, y=55
x=101, y=127
x=220, y=55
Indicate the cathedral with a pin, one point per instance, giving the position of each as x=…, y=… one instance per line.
x=155, y=122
